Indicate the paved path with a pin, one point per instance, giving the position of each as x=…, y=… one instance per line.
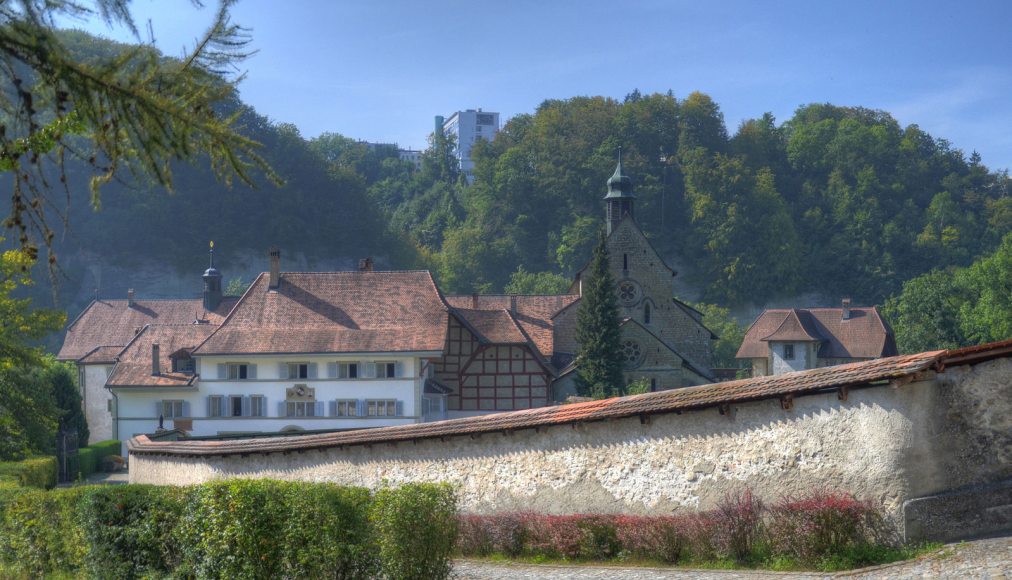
x=979, y=560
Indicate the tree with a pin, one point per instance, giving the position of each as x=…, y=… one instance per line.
x=599, y=359
x=59, y=378
x=129, y=112
x=986, y=315
x=236, y=287
x=729, y=331
x=524, y=282
x=925, y=315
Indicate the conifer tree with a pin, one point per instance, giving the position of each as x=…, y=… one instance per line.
x=600, y=356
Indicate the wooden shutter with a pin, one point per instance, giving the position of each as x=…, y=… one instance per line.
x=360, y=410
x=369, y=370
x=186, y=408
x=319, y=409
x=400, y=408
x=222, y=371
x=333, y=408
x=398, y=369
x=283, y=370
x=209, y=398
x=332, y=370
x=251, y=371
x=313, y=373
x=246, y=407
x=282, y=409
x=263, y=407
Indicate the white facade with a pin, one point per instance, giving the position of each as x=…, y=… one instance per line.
x=788, y=357
x=97, y=400
x=467, y=127
x=385, y=390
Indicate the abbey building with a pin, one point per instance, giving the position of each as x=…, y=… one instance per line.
x=365, y=348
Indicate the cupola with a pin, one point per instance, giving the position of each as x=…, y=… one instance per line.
x=620, y=198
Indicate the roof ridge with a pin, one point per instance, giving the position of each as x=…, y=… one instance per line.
x=231, y=312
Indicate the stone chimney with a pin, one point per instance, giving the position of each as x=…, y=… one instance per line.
x=156, y=368
x=513, y=304
x=130, y=298
x=474, y=301
x=846, y=309
x=365, y=264
x=275, y=255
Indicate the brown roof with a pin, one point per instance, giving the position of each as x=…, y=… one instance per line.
x=134, y=367
x=492, y=326
x=101, y=355
x=864, y=335
x=797, y=383
x=533, y=313
x=115, y=322
x=331, y=312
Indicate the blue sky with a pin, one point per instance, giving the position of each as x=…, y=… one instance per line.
x=381, y=70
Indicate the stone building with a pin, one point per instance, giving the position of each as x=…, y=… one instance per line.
x=797, y=339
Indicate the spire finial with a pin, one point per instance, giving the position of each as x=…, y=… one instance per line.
x=211, y=252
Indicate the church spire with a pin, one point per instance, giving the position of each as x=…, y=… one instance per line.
x=620, y=198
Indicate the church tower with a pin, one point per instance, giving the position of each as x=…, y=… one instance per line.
x=620, y=198
x=212, y=284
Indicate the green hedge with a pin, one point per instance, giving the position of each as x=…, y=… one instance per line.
x=229, y=529
x=90, y=458
x=37, y=472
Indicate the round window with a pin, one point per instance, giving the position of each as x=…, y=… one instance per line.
x=632, y=353
x=628, y=292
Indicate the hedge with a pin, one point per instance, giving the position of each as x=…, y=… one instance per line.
x=229, y=529
x=37, y=472
x=90, y=458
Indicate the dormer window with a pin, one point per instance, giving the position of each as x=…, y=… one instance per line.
x=788, y=352
x=182, y=362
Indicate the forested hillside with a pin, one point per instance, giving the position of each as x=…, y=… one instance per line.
x=836, y=200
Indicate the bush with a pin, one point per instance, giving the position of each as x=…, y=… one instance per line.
x=663, y=538
x=822, y=525
x=89, y=458
x=129, y=529
x=37, y=472
x=41, y=532
x=739, y=525
x=416, y=529
x=269, y=529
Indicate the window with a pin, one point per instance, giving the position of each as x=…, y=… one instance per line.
x=301, y=409
x=257, y=406
x=346, y=408
x=386, y=370
x=215, y=406
x=384, y=408
x=646, y=314
x=347, y=371
x=172, y=409
x=183, y=365
x=298, y=370
x=788, y=352
x=235, y=406
x=238, y=371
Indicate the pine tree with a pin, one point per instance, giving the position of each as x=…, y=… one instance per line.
x=600, y=356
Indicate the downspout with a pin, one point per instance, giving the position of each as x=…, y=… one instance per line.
x=115, y=414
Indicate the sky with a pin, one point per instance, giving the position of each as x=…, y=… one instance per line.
x=381, y=70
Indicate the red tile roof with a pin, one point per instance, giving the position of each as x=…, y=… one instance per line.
x=115, y=322
x=335, y=312
x=533, y=313
x=864, y=335
x=492, y=326
x=797, y=383
x=134, y=368
x=101, y=355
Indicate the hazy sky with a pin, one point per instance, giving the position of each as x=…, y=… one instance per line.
x=381, y=70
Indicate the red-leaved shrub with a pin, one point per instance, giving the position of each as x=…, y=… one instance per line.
x=820, y=524
x=739, y=525
x=663, y=538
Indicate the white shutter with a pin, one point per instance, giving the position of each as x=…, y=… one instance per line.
x=283, y=370
x=186, y=408
x=319, y=409
x=251, y=371
x=263, y=407
x=333, y=408
x=369, y=370
x=246, y=407
x=360, y=408
x=400, y=408
x=282, y=409
x=222, y=371
x=313, y=373
x=398, y=369
x=332, y=370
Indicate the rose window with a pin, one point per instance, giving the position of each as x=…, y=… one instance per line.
x=632, y=353
x=628, y=292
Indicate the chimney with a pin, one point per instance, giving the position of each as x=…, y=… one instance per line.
x=846, y=308
x=474, y=301
x=365, y=264
x=156, y=368
x=130, y=298
x=513, y=304
x=275, y=254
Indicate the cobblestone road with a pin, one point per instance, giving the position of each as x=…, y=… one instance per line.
x=979, y=560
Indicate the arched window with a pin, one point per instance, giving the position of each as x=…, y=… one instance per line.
x=646, y=313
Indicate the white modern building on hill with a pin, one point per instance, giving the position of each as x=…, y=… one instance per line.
x=467, y=127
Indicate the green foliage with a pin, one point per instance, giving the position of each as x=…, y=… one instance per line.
x=524, y=282
x=90, y=458
x=597, y=331
x=236, y=287
x=41, y=532
x=729, y=331
x=956, y=307
x=37, y=472
x=412, y=520
x=62, y=379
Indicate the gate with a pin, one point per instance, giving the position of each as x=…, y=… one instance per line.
x=66, y=456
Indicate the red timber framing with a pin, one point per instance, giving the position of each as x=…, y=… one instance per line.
x=490, y=377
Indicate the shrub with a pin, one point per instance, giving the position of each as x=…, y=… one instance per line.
x=416, y=529
x=739, y=525
x=268, y=529
x=663, y=538
x=821, y=525
x=41, y=533
x=129, y=530
x=89, y=458
x=37, y=472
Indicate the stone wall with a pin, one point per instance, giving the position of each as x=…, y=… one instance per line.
x=886, y=443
